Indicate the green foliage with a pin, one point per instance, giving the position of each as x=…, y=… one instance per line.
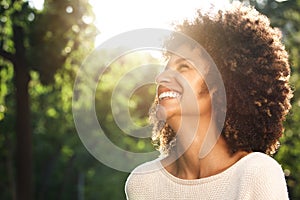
x=66, y=24
x=61, y=159
x=7, y=136
x=60, y=155
x=112, y=89
x=56, y=42
x=6, y=22
x=6, y=74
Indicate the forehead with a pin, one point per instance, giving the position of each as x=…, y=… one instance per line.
x=187, y=53
x=195, y=56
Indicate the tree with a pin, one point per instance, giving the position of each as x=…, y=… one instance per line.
x=44, y=42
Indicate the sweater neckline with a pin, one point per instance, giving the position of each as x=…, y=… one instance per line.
x=222, y=174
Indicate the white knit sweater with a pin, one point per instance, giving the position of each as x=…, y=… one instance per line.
x=255, y=176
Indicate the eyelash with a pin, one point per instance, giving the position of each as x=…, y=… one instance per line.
x=183, y=66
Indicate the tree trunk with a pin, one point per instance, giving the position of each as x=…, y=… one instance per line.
x=10, y=167
x=23, y=132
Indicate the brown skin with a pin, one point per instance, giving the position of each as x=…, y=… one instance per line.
x=181, y=112
x=189, y=166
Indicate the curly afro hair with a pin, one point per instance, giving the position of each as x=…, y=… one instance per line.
x=255, y=70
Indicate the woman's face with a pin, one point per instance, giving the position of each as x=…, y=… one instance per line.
x=181, y=88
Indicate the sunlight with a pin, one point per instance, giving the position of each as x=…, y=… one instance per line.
x=115, y=16
x=37, y=4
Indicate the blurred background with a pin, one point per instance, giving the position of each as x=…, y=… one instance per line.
x=42, y=46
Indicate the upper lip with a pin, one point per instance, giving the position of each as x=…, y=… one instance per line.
x=161, y=89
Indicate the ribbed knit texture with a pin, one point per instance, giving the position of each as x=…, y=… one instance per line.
x=256, y=176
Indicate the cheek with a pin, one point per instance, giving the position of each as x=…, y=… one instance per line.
x=204, y=102
x=203, y=97
x=199, y=87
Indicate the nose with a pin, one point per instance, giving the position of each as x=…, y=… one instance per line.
x=165, y=76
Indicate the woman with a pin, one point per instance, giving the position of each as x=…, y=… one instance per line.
x=254, y=68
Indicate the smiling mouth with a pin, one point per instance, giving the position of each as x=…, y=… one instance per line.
x=168, y=95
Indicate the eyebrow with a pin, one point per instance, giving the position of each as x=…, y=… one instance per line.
x=177, y=61
x=184, y=60
x=180, y=60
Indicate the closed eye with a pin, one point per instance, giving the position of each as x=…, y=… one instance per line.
x=183, y=67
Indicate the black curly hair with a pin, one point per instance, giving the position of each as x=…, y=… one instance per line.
x=255, y=70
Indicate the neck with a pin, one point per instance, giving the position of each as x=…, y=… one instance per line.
x=204, y=157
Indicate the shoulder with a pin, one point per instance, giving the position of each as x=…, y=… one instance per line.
x=148, y=167
x=263, y=177
x=260, y=160
x=261, y=164
x=144, y=175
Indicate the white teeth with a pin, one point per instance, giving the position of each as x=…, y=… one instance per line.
x=169, y=94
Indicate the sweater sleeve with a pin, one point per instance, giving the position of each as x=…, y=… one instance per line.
x=266, y=180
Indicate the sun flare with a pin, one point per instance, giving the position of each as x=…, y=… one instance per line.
x=114, y=17
x=117, y=16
